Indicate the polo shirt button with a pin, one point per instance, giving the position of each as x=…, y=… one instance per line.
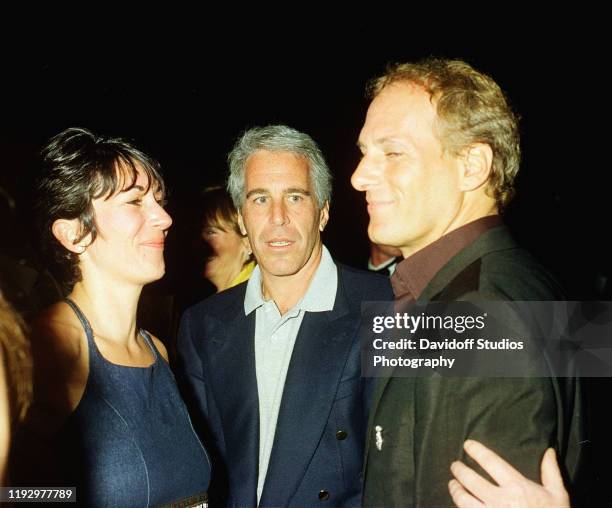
x=341, y=435
x=323, y=495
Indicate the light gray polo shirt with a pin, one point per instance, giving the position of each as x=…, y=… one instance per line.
x=274, y=340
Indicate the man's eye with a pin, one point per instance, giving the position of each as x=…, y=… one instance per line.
x=295, y=198
x=260, y=200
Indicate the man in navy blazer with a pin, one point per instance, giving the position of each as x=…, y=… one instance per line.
x=272, y=366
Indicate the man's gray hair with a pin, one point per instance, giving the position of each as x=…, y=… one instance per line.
x=277, y=138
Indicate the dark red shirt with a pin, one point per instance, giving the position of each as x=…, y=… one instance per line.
x=414, y=273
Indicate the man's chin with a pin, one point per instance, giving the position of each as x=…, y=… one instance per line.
x=377, y=234
x=382, y=237
x=280, y=269
x=282, y=272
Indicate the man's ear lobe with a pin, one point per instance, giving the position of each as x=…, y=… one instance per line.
x=324, y=216
x=477, y=162
x=67, y=232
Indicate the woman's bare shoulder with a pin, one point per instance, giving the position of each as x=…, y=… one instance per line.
x=58, y=331
x=61, y=367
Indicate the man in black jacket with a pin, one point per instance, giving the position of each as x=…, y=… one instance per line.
x=440, y=149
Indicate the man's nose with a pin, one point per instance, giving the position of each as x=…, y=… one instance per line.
x=365, y=174
x=279, y=213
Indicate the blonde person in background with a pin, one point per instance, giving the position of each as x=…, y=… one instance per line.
x=230, y=259
x=15, y=379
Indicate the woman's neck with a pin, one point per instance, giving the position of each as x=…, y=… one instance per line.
x=111, y=310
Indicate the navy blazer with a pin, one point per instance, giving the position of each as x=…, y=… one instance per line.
x=318, y=447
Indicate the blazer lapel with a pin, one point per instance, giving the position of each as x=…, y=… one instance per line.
x=317, y=363
x=496, y=239
x=493, y=240
x=232, y=362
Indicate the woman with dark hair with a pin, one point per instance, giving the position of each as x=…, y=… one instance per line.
x=230, y=259
x=104, y=394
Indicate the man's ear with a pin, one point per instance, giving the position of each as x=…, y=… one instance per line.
x=324, y=216
x=241, y=224
x=247, y=246
x=67, y=232
x=477, y=161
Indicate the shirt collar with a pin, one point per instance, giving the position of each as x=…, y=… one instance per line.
x=320, y=295
x=413, y=274
x=384, y=264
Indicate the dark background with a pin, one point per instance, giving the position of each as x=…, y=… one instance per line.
x=185, y=103
x=184, y=91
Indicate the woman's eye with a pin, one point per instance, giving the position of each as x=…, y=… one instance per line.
x=136, y=202
x=393, y=154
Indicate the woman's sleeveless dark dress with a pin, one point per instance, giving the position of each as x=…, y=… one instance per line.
x=130, y=441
